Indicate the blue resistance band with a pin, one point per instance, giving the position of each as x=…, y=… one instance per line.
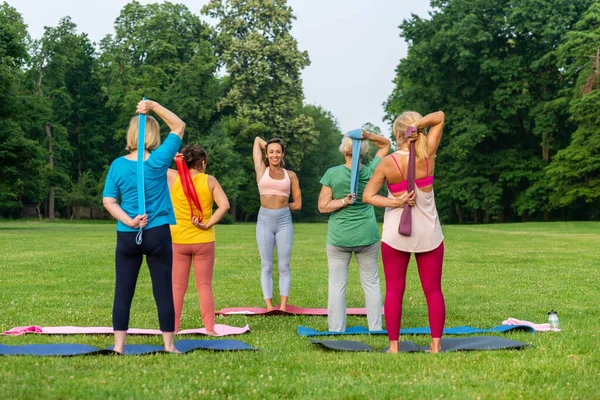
x=140, y=171
x=356, y=136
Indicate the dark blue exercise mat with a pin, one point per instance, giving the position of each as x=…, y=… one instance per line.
x=67, y=349
x=458, y=330
x=448, y=344
x=57, y=349
x=217, y=345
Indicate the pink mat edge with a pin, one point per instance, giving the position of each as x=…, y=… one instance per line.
x=221, y=329
x=290, y=310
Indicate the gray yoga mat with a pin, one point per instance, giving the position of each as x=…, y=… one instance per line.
x=472, y=343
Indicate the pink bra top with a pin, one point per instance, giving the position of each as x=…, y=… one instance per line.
x=401, y=186
x=278, y=187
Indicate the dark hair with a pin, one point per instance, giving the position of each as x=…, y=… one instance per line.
x=194, y=155
x=276, y=141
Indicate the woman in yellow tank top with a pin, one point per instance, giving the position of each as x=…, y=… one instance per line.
x=193, y=239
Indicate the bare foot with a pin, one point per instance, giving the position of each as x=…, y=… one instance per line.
x=172, y=350
x=211, y=333
x=435, y=346
x=119, y=346
x=269, y=303
x=394, y=347
x=283, y=306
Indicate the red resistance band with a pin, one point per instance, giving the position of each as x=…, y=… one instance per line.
x=188, y=188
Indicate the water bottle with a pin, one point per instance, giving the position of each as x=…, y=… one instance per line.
x=553, y=320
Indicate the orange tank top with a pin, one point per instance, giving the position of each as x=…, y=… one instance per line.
x=184, y=232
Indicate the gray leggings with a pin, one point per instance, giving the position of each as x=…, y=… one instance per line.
x=274, y=228
x=338, y=259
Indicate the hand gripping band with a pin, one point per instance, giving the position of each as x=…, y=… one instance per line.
x=188, y=188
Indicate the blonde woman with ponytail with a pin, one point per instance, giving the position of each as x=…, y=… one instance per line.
x=426, y=239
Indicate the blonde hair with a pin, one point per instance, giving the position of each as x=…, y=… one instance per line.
x=403, y=121
x=151, y=137
x=346, y=146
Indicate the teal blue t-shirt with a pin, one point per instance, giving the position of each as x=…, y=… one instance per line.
x=121, y=183
x=353, y=225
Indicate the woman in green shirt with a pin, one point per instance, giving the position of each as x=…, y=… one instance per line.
x=352, y=229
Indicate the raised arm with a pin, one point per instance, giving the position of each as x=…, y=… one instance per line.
x=296, y=203
x=257, y=154
x=381, y=142
x=435, y=123
x=221, y=201
x=175, y=124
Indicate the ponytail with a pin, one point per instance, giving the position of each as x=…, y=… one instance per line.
x=406, y=119
x=421, y=146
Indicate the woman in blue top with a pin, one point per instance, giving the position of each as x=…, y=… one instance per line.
x=121, y=183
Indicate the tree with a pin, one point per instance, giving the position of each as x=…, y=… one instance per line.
x=315, y=163
x=63, y=94
x=254, y=44
x=575, y=170
x=19, y=156
x=485, y=64
x=162, y=52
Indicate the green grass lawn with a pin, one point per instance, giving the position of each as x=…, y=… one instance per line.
x=63, y=274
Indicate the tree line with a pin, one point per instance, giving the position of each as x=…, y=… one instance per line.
x=518, y=81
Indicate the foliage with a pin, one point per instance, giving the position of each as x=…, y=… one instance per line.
x=517, y=79
x=488, y=65
x=262, y=59
x=19, y=162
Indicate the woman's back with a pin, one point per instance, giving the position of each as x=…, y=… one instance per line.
x=184, y=232
x=121, y=182
x=426, y=232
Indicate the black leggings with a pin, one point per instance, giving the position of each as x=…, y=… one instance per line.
x=156, y=245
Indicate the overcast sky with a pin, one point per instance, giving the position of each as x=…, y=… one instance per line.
x=354, y=45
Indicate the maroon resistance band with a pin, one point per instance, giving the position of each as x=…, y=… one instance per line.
x=405, y=227
x=188, y=188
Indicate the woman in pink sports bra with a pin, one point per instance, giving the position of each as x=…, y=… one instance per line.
x=274, y=224
x=426, y=239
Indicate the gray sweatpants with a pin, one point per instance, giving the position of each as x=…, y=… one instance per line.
x=274, y=228
x=338, y=259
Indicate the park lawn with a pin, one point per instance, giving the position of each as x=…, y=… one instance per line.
x=62, y=274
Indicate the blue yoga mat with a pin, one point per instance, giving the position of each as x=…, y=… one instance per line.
x=458, y=330
x=67, y=349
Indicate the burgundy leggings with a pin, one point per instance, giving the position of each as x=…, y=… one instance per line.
x=429, y=264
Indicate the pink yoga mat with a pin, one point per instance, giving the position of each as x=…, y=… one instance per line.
x=222, y=330
x=291, y=310
x=537, y=327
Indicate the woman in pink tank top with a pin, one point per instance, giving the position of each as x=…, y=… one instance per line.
x=274, y=223
x=426, y=239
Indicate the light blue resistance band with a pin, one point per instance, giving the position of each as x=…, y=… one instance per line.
x=356, y=136
x=140, y=171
